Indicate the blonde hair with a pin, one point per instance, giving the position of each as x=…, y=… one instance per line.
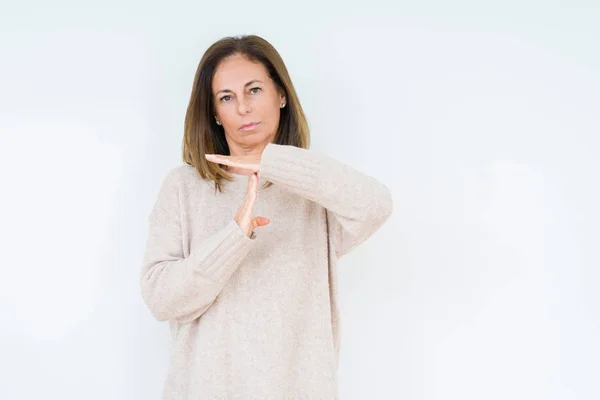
x=203, y=136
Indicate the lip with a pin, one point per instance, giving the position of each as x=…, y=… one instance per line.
x=249, y=126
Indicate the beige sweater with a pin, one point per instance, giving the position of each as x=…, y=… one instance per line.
x=257, y=318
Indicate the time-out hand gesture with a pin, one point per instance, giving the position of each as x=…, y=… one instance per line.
x=245, y=215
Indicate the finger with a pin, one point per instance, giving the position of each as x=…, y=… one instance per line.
x=251, y=193
x=254, y=180
x=233, y=161
x=245, y=209
x=252, y=187
x=260, y=221
x=217, y=159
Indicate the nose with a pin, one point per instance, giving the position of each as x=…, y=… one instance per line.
x=244, y=106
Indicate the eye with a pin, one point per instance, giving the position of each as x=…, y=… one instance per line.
x=255, y=90
x=225, y=98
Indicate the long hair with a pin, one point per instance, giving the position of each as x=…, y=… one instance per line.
x=203, y=136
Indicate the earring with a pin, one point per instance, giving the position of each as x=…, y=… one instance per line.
x=282, y=105
x=218, y=122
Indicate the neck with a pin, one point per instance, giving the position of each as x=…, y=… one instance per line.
x=237, y=150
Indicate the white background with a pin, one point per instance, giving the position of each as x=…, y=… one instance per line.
x=483, y=120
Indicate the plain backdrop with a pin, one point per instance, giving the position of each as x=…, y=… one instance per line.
x=483, y=119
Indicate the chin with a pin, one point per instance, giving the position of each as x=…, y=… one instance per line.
x=254, y=137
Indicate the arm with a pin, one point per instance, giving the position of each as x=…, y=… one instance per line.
x=178, y=288
x=357, y=204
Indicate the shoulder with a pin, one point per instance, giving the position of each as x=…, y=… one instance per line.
x=177, y=183
x=182, y=173
x=184, y=178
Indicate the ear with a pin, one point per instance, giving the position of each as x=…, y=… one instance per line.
x=282, y=100
x=281, y=92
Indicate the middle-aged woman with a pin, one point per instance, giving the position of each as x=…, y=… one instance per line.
x=244, y=237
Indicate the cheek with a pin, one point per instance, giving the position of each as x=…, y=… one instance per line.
x=227, y=114
x=268, y=109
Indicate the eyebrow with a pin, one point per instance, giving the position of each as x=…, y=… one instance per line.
x=246, y=85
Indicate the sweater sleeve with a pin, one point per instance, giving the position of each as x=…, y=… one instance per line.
x=357, y=204
x=181, y=288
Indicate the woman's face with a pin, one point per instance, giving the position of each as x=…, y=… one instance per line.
x=247, y=103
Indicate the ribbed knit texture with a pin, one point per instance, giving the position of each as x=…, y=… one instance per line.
x=257, y=318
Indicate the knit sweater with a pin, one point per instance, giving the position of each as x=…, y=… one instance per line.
x=257, y=317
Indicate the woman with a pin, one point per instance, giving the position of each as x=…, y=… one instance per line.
x=244, y=237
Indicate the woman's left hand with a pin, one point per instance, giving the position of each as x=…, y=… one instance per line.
x=249, y=162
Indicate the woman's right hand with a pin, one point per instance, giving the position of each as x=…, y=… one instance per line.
x=245, y=215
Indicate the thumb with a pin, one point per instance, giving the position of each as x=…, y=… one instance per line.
x=260, y=221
